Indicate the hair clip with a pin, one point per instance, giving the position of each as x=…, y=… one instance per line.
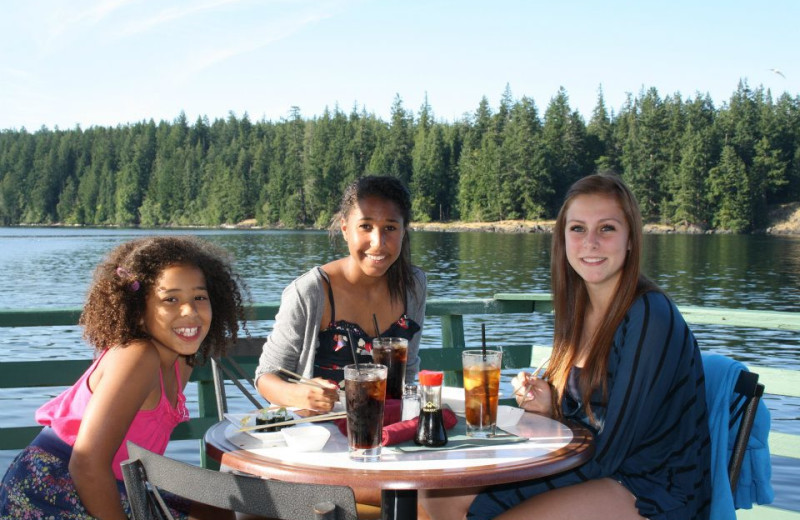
x=123, y=273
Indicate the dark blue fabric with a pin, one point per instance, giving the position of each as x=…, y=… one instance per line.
x=37, y=485
x=652, y=434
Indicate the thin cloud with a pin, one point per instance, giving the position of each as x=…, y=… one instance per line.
x=173, y=14
x=63, y=20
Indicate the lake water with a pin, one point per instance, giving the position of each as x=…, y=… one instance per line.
x=51, y=267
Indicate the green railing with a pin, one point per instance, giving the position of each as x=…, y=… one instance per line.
x=55, y=373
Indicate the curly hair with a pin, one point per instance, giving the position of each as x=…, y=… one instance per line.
x=115, y=305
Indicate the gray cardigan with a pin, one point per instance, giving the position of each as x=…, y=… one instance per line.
x=295, y=335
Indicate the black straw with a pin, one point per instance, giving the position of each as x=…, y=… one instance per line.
x=377, y=329
x=486, y=398
x=483, y=340
x=353, y=349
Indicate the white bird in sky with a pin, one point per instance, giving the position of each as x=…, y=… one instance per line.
x=779, y=73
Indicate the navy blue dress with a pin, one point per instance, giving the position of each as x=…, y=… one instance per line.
x=652, y=434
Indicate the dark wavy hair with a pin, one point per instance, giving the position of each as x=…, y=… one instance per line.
x=400, y=276
x=570, y=297
x=115, y=305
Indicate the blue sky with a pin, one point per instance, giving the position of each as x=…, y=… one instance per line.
x=110, y=62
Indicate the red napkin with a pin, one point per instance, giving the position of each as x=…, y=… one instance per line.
x=396, y=431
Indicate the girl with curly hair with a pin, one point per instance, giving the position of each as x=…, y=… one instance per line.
x=154, y=306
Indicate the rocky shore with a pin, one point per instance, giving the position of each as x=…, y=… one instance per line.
x=784, y=220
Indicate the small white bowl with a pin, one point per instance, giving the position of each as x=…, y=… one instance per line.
x=306, y=438
x=508, y=415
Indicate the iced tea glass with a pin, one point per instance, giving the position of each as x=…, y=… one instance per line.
x=481, y=390
x=365, y=393
x=392, y=353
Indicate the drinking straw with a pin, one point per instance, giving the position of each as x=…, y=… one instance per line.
x=483, y=341
x=487, y=400
x=353, y=349
x=377, y=329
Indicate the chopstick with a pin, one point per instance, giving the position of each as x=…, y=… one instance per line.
x=527, y=387
x=315, y=418
x=301, y=379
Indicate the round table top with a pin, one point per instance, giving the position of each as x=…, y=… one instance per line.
x=552, y=447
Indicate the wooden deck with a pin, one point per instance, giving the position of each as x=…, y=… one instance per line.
x=56, y=373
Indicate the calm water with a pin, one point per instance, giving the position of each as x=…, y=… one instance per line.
x=52, y=268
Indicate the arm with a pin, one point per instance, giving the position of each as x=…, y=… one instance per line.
x=292, y=345
x=128, y=377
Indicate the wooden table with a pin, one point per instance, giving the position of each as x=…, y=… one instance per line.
x=552, y=447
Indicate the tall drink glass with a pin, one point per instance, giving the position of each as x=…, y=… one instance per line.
x=392, y=353
x=365, y=392
x=481, y=389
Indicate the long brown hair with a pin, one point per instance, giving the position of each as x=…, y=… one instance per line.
x=400, y=276
x=570, y=296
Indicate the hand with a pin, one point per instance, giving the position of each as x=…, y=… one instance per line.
x=533, y=394
x=321, y=399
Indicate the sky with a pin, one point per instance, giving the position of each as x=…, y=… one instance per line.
x=116, y=62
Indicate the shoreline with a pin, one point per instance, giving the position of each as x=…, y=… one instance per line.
x=784, y=219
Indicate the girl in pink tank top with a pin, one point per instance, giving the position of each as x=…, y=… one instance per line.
x=149, y=315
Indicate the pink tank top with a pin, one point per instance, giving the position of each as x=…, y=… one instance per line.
x=150, y=428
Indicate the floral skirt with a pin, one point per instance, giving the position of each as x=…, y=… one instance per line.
x=38, y=486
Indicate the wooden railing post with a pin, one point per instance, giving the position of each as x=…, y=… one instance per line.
x=453, y=337
x=207, y=407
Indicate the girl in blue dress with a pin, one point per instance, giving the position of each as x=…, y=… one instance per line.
x=624, y=364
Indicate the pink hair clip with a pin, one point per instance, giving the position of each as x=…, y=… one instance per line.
x=123, y=273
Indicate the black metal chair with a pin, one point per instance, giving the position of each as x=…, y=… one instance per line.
x=748, y=392
x=146, y=472
x=228, y=367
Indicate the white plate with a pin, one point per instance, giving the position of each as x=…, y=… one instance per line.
x=243, y=420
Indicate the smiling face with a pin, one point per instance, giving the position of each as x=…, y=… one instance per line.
x=597, y=239
x=178, y=311
x=374, y=233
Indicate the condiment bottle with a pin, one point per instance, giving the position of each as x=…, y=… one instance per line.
x=430, y=428
x=411, y=406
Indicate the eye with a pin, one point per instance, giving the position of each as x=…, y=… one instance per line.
x=576, y=228
x=365, y=227
x=608, y=228
x=201, y=297
x=390, y=228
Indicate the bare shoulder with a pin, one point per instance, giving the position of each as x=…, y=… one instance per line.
x=135, y=364
x=133, y=360
x=335, y=268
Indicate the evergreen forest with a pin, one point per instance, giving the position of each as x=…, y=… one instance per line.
x=689, y=162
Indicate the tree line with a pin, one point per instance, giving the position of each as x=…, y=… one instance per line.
x=688, y=162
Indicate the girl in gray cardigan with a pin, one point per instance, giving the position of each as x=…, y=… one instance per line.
x=324, y=307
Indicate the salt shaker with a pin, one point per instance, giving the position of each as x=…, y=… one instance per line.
x=410, y=402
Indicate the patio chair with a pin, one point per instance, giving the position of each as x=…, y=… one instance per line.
x=227, y=367
x=748, y=392
x=146, y=472
x=736, y=413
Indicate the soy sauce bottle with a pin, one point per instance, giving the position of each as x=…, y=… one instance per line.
x=430, y=427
